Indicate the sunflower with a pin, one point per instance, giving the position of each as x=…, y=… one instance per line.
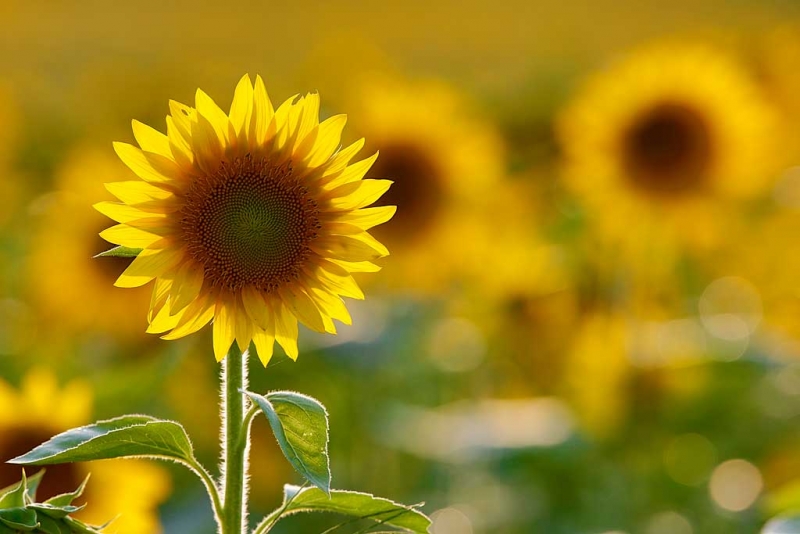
x=58, y=281
x=660, y=143
x=40, y=409
x=445, y=164
x=254, y=218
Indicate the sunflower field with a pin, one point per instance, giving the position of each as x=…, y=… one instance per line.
x=526, y=267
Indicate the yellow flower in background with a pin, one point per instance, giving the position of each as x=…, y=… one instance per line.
x=761, y=266
x=656, y=144
x=73, y=291
x=39, y=410
x=444, y=163
x=254, y=218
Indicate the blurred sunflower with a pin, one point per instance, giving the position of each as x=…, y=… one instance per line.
x=254, y=218
x=778, y=65
x=656, y=145
x=525, y=298
x=39, y=410
x=445, y=164
x=762, y=265
x=74, y=291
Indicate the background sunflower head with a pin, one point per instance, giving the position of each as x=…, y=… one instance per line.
x=40, y=409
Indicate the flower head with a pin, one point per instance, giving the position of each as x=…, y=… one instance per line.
x=255, y=219
x=665, y=137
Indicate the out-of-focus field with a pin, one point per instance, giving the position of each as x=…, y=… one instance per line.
x=590, y=320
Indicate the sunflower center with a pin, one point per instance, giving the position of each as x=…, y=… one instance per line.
x=249, y=224
x=60, y=478
x=416, y=191
x=668, y=150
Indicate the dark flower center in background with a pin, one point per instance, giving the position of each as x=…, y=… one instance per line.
x=417, y=191
x=668, y=150
x=249, y=224
x=61, y=478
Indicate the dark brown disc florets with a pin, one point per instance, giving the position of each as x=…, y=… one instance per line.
x=249, y=224
x=668, y=150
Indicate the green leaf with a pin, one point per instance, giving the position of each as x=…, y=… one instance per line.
x=49, y=525
x=120, y=252
x=126, y=436
x=65, y=499
x=352, y=503
x=79, y=527
x=13, y=496
x=300, y=425
x=19, y=518
x=56, y=512
x=32, y=484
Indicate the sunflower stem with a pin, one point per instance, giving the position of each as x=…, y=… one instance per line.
x=234, y=467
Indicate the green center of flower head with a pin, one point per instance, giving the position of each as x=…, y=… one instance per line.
x=249, y=224
x=667, y=150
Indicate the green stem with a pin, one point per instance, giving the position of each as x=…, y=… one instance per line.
x=234, y=377
x=211, y=487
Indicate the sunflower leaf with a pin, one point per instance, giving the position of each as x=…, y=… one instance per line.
x=120, y=252
x=65, y=499
x=13, y=496
x=300, y=424
x=56, y=512
x=23, y=519
x=126, y=436
x=356, y=504
x=32, y=484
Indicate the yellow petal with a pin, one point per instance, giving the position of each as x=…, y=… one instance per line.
x=159, y=297
x=341, y=159
x=327, y=140
x=181, y=149
x=151, y=140
x=128, y=236
x=330, y=305
x=242, y=107
x=309, y=117
x=285, y=119
x=206, y=144
x=224, y=329
x=244, y=327
x=263, y=113
x=148, y=166
x=163, y=321
x=193, y=318
x=286, y=330
x=148, y=265
x=349, y=248
x=367, y=218
x=351, y=173
x=265, y=343
x=136, y=191
x=208, y=109
x=256, y=306
x=358, y=266
x=355, y=195
x=343, y=285
x=183, y=116
x=186, y=286
x=123, y=213
x=303, y=308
